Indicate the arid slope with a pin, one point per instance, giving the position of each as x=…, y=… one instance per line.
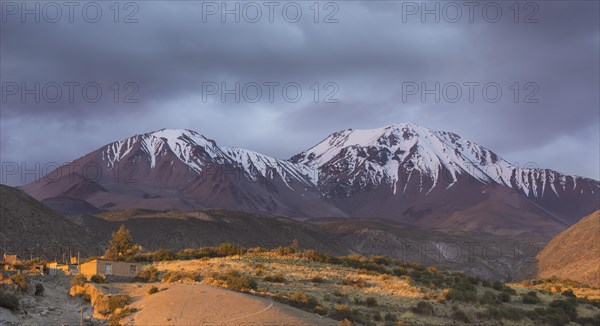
x=574, y=253
x=29, y=227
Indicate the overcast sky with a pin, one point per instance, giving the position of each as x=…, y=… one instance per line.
x=371, y=61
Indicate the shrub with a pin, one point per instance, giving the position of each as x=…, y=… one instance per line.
x=39, y=289
x=115, y=317
x=423, y=308
x=275, y=278
x=320, y=310
x=149, y=274
x=371, y=301
x=240, y=283
x=118, y=301
x=228, y=249
x=390, y=317
x=367, y=271
x=339, y=293
x=588, y=320
x=461, y=316
x=303, y=301
x=499, y=286
x=552, y=316
x=153, y=290
x=569, y=293
x=421, y=276
x=21, y=281
x=509, y=290
x=504, y=297
x=386, y=277
x=381, y=260
x=341, y=312
x=346, y=322
x=78, y=279
x=9, y=301
x=284, y=251
x=531, y=298
x=400, y=271
x=488, y=297
x=568, y=306
x=377, y=316
x=508, y=313
x=314, y=255
x=355, y=282
x=175, y=276
x=416, y=266
x=461, y=295
x=432, y=270
x=163, y=254
x=317, y=279
x=463, y=284
x=98, y=279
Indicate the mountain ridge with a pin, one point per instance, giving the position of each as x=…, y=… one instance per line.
x=401, y=171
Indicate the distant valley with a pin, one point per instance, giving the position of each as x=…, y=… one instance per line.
x=487, y=256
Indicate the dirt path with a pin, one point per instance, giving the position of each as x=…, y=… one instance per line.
x=193, y=304
x=55, y=307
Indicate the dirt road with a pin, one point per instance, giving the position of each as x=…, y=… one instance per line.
x=54, y=307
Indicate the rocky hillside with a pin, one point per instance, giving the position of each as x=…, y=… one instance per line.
x=28, y=227
x=177, y=230
x=487, y=256
x=575, y=253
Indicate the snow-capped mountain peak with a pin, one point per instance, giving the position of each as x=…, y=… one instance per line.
x=197, y=151
x=384, y=152
x=188, y=146
x=379, y=156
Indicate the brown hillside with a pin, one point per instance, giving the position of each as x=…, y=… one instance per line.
x=29, y=228
x=574, y=253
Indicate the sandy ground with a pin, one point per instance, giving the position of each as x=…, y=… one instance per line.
x=195, y=304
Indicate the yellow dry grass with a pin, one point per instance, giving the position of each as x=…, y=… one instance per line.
x=370, y=297
x=392, y=294
x=559, y=286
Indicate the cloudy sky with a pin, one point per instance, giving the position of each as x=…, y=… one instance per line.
x=161, y=64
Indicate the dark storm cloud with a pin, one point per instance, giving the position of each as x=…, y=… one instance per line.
x=368, y=55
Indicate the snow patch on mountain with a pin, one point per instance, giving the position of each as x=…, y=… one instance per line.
x=184, y=144
x=256, y=164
